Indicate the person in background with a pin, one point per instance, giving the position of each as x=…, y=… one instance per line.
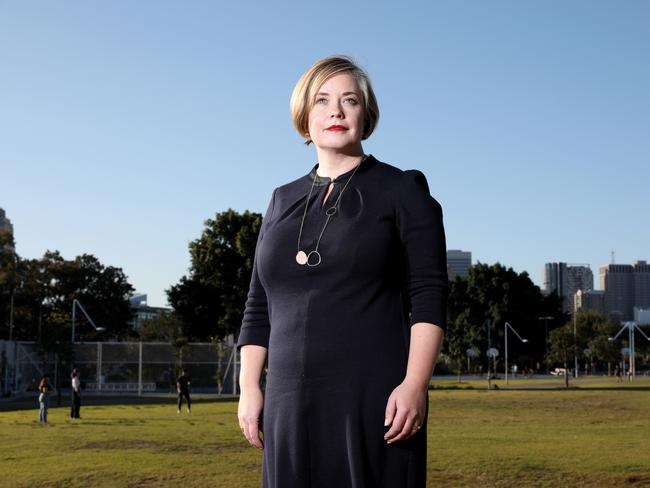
x=183, y=390
x=44, y=388
x=75, y=384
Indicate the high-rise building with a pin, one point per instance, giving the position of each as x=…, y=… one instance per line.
x=458, y=263
x=617, y=280
x=555, y=279
x=627, y=286
x=593, y=300
x=641, y=284
x=566, y=279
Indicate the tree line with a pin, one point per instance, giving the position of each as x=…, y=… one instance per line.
x=36, y=297
x=208, y=304
x=491, y=295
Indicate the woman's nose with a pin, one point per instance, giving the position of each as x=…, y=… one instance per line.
x=336, y=110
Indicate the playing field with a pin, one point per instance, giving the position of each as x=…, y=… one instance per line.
x=598, y=435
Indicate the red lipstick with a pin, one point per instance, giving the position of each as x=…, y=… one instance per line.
x=336, y=127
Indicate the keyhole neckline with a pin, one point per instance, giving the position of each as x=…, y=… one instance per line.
x=325, y=180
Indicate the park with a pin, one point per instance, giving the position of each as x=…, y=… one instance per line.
x=531, y=432
x=313, y=217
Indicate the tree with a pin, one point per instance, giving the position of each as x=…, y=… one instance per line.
x=166, y=327
x=197, y=306
x=8, y=280
x=601, y=348
x=592, y=332
x=48, y=286
x=210, y=301
x=561, y=348
x=463, y=329
x=494, y=294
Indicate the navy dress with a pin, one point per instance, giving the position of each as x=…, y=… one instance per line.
x=338, y=334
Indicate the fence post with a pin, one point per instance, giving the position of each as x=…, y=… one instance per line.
x=99, y=366
x=16, y=367
x=234, y=370
x=140, y=371
x=56, y=373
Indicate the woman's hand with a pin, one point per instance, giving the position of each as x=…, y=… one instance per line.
x=249, y=412
x=405, y=411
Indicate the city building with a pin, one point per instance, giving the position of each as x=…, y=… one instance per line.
x=642, y=316
x=641, y=279
x=593, y=300
x=142, y=311
x=458, y=263
x=566, y=279
x=617, y=280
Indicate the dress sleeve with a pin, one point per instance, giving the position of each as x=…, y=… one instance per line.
x=256, y=327
x=422, y=234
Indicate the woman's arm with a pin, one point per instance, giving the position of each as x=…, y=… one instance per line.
x=421, y=230
x=405, y=410
x=426, y=340
x=252, y=362
x=251, y=399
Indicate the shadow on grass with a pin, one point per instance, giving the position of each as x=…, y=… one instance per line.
x=539, y=388
x=29, y=403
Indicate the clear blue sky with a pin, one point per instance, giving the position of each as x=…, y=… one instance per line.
x=124, y=125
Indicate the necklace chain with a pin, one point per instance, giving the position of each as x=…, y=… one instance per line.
x=302, y=257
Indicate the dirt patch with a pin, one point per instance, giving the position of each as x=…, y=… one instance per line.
x=638, y=480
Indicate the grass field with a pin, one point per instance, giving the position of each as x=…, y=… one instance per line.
x=597, y=436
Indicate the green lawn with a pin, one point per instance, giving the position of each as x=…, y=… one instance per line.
x=506, y=438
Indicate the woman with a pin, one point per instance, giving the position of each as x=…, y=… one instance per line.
x=348, y=297
x=43, y=398
x=75, y=385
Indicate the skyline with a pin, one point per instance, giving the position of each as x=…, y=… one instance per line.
x=596, y=283
x=124, y=126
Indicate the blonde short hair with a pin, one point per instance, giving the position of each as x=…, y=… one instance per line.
x=302, y=98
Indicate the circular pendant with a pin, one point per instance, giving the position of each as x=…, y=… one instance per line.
x=315, y=261
x=301, y=258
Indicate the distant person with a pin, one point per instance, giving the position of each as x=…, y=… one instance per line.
x=44, y=388
x=617, y=373
x=183, y=389
x=75, y=384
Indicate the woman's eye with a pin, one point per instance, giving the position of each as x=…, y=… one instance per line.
x=352, y=101
x=320, y=100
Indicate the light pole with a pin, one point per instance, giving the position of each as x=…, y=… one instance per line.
x=630, y=326
x=546, y=319
x=75, y=304
x=506, y=334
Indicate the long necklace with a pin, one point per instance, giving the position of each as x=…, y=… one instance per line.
x=302, y=257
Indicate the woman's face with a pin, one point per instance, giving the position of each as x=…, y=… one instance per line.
x=336, y=118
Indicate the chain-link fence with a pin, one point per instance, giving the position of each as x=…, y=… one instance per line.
x=107, y=367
